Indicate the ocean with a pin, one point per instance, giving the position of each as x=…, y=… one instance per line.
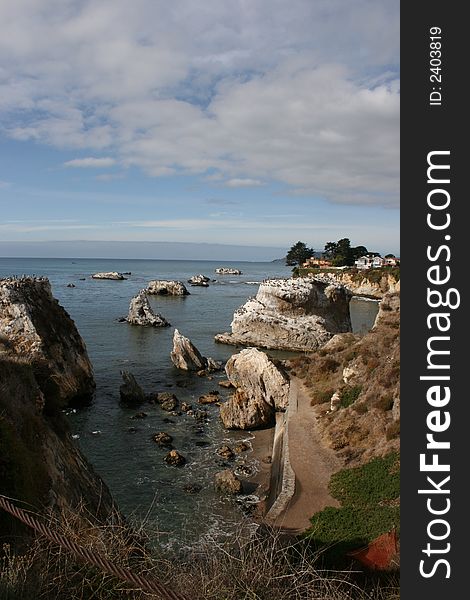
x=121, y=448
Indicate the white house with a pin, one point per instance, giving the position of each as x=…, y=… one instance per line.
x=369, y=262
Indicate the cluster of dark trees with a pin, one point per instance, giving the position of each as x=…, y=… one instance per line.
x=341, y=253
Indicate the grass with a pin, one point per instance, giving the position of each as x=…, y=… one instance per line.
x=369, y=497
x=260, y=565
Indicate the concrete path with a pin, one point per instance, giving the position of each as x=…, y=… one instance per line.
x=312, y=462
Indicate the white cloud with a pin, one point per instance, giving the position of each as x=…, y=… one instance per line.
x=307, y=97
x=90, y=162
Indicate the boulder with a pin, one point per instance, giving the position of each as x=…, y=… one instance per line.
x=130, y=391
x=225, y=452
x=226, y=383
x=200, y=280
x=185, y=355
x=185, y=407
x=139, y=415
x=294, y=314
x=253, y=372
x=242, y=447
x=111, y=275
x=167, y=401
x=227, y=482
x=162, y=439
x=243, y=412
x=210, y=398
x=165, y=287
x=141, y=313
x=35, y=329
x=175, y=459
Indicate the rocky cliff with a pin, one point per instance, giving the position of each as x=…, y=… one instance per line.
x=292, y=314
x=374, y=282
x=43, y=367
x=36, y=329
x=354, y=385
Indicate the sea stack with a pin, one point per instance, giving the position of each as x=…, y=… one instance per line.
x=291, y=314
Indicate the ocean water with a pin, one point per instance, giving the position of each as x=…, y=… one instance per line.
x=121, y=448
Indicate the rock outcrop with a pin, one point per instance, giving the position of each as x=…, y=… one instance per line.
x=141, y=313
x=293, y=314
x=186, y=356
x=262, y=388
x=164, y=287
x=111, y=275
x=200, y=280
x=228, y=271
x=227, y=482
x=34, y=328
x=361, y=283
x=43, y=367
x=130, y=391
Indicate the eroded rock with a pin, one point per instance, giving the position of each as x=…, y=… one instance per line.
x=166, y=287
x=130, y=391
x=141, y=313
x=110, y=275
x=293, y=314
x=227, y=482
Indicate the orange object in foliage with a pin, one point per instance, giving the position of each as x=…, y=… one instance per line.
x=379, y=553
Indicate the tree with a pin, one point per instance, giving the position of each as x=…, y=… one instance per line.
x=341, y=253
x=298, y=254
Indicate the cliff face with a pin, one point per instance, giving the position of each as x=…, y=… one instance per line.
x=43, y=366
x=292, y=314
x=35, y=328
x=354, y=385
x=376, y=283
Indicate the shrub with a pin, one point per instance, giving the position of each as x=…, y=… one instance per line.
x=384, y=403
x=349, y=394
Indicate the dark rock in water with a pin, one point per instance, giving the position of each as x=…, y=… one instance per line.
x=192, y=488
x=162, y=439
x=130, y=391
x=244, y=471
x=209, y=398
x=200, y=280
x=70, y=285
x=202, y=443
x=167, y=401
x=139, y=415
x=122, y=320
x=226, y=452
x=127, y=273
x=82, y=279
x=227, y=482
x=242, y=447
x=201, y=416
x=167, y=420
x=132, y=430
x=175, y=459
x=185, y=407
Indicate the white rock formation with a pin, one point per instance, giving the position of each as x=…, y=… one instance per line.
x=293, y=314
x=254, y=373
x=200, y=280
x=141, y=313
x=165, y=287
x=228, y=271
x=110, y=275
x=187, y=357
x=262, y=388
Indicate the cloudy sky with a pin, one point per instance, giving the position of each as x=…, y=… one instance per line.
x=241, y=122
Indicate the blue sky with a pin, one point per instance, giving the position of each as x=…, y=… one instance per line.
x=249, y=123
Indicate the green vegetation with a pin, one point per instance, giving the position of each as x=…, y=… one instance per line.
x=369, y=497
x=349, y=394
x=341, y=253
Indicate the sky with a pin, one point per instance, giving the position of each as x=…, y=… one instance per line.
x=236, y=122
